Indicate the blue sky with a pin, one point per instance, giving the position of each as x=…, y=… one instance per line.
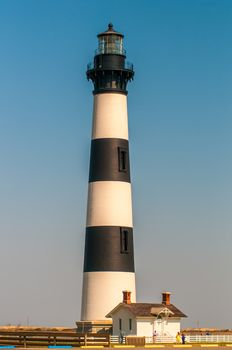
x=180, y=147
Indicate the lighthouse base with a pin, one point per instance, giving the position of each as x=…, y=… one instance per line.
x=104, y=326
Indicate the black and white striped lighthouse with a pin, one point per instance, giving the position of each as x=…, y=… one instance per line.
x=109, y=257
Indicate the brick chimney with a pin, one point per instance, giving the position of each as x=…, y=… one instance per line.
x=126, y=297
x=166, y=298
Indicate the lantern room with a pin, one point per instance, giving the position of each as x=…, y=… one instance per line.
x=110, y=42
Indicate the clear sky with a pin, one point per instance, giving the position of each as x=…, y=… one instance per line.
x=180, y=146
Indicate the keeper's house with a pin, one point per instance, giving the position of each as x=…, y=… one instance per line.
x=143, y=319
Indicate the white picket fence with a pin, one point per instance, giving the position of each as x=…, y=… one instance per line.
x=193, y=339
x=116, y=339
x=209, y=338
x=189, y=339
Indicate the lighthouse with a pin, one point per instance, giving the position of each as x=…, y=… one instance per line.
x=109, y=254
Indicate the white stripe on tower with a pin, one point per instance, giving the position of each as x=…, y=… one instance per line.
x=110, y=116
x=109, y=204
x=109, y=257
x=105, y=287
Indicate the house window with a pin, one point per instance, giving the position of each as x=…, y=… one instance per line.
x=130, y=324
x=122, y=159
x=124, y=235
x=120, y=324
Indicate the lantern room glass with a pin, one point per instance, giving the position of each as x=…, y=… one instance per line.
x=110, y=44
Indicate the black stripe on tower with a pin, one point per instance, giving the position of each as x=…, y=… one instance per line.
x=109, y=248
x=109, y=160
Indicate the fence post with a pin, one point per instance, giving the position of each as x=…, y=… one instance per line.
x=25, y=341
x=85, y=339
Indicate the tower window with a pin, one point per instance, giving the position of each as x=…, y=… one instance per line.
x=130, y=324
x=122, y=159
x=124, y=235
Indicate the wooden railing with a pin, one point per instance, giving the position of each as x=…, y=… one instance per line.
x=40, y=338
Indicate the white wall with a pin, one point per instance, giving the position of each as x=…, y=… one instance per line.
x=167, y=327
x=125, y=315
x=145, y=327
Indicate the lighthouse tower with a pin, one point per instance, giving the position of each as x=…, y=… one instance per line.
x=109, y=258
